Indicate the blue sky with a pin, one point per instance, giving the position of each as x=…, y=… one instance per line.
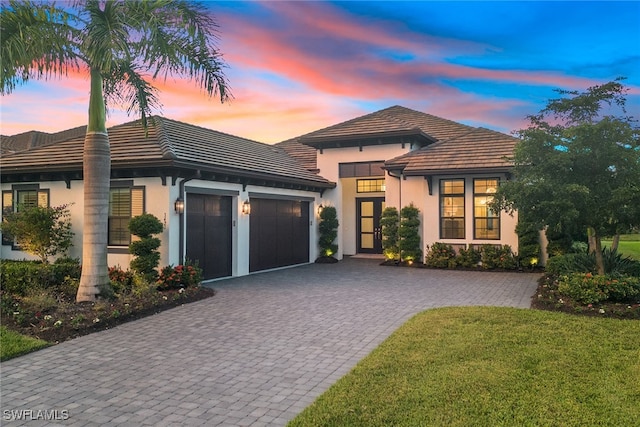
x=295, y=67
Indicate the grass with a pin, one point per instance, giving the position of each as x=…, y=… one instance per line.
x=629, y=245
x=488, y=366
x=12, y=344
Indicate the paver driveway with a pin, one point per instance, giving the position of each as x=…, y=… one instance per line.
x=257, y=353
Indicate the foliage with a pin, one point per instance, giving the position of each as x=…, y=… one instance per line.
x=389, y=222
x=180, y=276
x=40, y=231
x=497, y=257
x=469, y=258
x=20, y=277
x=578, y=168
x=587, y=288
x=528, y=241
x=490, y=366
x=145, y=249
x=328, y=228
x=571, y=263
x=121, y=280
x=439, y=255
x=409, y=234
x=614, y=263
x=558, y=242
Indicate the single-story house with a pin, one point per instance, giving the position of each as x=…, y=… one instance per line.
x=239, y=206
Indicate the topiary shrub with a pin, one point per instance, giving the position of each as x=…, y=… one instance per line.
x=328, y=229
x=409, y=234
x=528, y=243
x=389, y=222
x=145, y=250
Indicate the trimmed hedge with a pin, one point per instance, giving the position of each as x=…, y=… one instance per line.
x=18, y=277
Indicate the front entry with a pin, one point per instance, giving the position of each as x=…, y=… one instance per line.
x=369, y=232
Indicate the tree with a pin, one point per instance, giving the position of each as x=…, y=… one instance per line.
x=121, y=45
x=577, y=168
x=40, y=231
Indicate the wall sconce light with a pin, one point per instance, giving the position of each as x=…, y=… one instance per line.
x=246, y=207
x=320, y=209
x=179, y=206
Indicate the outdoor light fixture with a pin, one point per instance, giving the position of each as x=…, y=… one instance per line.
x=320, y=208
x=179, y=206
x=246, y=207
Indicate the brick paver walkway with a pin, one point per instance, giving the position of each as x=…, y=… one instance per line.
x=257, y=353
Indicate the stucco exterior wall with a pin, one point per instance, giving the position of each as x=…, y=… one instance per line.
x=344, y=196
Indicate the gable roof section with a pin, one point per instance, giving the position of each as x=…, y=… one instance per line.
x=389, y=125
x=478, y=150
x=171, y=148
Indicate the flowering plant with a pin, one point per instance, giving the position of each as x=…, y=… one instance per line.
x=180, y=276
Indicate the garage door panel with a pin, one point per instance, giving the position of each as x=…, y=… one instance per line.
x=279, y=233
x=209, y=234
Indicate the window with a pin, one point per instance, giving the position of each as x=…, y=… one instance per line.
x=351, y=170
x=486, y=222
x=370, y=185
x=20, y=197
x=452, y=209
x=124, y=203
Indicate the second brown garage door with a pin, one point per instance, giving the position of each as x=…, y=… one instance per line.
x=279, y=233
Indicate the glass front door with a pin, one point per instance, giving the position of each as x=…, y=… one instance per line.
x=369, y=232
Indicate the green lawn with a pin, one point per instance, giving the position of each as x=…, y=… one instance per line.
x=629, y=245
x=13, y=344
x=488, y=366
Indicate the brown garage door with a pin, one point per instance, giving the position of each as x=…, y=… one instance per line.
x=279, y=233
x=209, y=234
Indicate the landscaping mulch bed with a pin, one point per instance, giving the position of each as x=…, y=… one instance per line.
x=548, y=298
x=68, y=319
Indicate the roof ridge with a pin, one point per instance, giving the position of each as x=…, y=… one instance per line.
x=163, y=139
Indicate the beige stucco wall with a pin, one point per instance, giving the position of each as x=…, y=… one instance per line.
x=344, y=196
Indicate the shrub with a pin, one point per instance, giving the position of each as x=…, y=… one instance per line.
x=180, y=276
x=408, y=231
x=497, y=257
x=21, y=277
x=121, y=280
x=469, y=258
x=145, y=249
x=587, y=288
x=439, y=255
x=40, y=231
x=571, y=263
x=615, y=263
x=328, y=229
x=389, y=222
x=528, y=242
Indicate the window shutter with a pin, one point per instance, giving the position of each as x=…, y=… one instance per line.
x=137, y=201
x=7, y=201
x=43, y=198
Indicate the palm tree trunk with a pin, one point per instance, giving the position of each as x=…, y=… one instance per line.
x=96, y=175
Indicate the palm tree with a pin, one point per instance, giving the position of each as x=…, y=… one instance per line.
x=121, y=45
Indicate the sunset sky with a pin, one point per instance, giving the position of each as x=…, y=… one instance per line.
x=295, y=67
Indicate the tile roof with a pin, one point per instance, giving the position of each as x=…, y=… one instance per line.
x=477, y=150
x=391, y=120
x=31, y=139
x=169, y=143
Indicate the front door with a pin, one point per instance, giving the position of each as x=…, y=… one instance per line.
x=369, y=232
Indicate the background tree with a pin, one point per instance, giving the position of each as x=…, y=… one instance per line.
x=121, y=45
x=575, y=166
x=40, y=231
